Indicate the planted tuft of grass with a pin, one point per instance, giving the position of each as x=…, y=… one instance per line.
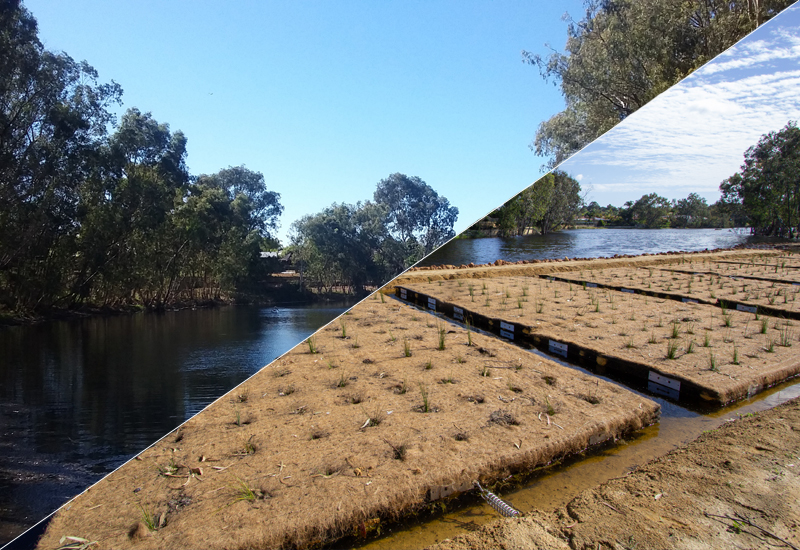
x=672, y=349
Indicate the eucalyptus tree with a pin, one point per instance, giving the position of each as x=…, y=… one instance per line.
x=53, y=115
x=551, y=203
x=767, y=187
x=691, y=211
x=342, y=245
x=650, y=211
x=623, y=53
x=416, y=215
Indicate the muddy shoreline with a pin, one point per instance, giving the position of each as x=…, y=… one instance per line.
x=734, y=487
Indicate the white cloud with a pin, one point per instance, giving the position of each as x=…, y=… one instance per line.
x=694, y=135
x=579, y=177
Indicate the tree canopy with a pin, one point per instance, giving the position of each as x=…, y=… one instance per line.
x=98, y=211
x=550, y=203
x=767, y=187
x=368, y=243
x=623, y=53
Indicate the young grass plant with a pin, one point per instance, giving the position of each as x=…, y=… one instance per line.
x=672, y=349
x=148, y=518
x=423, y=389
x=406, y=347
x=786, y=337
x=312, y=345
x=712, y=362
x=243, y=491
x=374, y=418
x=442, y=332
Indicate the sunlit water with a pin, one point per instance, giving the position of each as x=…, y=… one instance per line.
x=78, y=398
x=583, y=243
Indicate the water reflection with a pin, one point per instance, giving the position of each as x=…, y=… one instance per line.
x=78, y=398
x=582, y=243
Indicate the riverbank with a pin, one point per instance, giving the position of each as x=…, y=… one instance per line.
x=385, y=413
x=372, y=352
x=287, y=297
x=734, y=487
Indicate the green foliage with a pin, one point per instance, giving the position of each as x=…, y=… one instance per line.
x=551, y=202
x=623, y=53
x=649, y=211
x=767, y=188
x=368, y=243
x=104, y=213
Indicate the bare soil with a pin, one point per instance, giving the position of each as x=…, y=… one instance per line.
x=366, y=422
x=501, y=268
x=730, y=355
x=780, y=268
x=734, y=487
x=706, y=288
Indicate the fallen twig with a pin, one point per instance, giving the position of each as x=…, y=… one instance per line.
x=607, y=504
x=741, y=518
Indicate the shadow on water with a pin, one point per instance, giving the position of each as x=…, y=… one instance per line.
x=78, y=398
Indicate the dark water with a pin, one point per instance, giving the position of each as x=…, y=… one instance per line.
x=78, y=398
x=582, y=243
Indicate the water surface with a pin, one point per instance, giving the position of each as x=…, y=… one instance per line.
x=78, y=398
x=583, y=243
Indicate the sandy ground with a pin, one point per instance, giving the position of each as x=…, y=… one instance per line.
x=734, y=487
x=705, y=288
x=502, y=268
x=778, y=269
x=729, y=356
x=368, y=422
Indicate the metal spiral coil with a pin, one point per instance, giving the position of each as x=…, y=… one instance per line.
x=501, y=506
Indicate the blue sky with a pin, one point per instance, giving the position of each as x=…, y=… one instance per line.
x=694, y=135
x=327, y=98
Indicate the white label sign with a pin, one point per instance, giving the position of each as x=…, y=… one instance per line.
x=689, y=301
x=664, y=381
x=591, y=285
x=432, y=303
x=558, y=348
x=506, y=334
x=458, y=313
x=628, y=290
x=748, y=309
x=403, y=294
x=506, y=326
